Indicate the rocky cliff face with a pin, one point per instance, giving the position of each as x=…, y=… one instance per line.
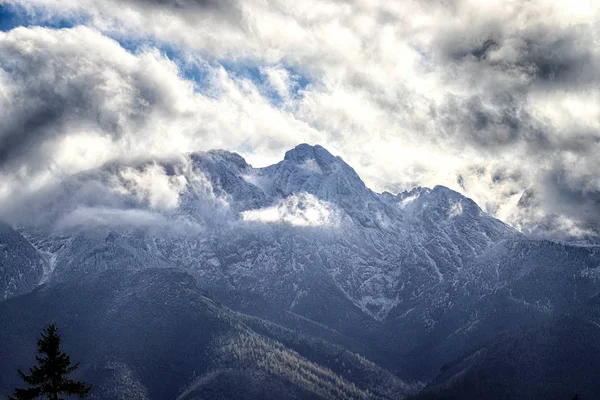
x=21, y=265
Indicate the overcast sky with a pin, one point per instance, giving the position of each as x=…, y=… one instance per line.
x=491, y=98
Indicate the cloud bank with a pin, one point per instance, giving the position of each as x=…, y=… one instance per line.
x=495, y=99
x=302, y=209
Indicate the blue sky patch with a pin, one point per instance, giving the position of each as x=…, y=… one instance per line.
x=13, y=16
x=195, y=68
x=191, y=68
x=253, y=73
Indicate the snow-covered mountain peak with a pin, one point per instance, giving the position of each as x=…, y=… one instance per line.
x=316, y=159
x=313, y=170
x=222, y=158
x=230, y=157
x=304, y=152
x=440, y=203
x=451, y=202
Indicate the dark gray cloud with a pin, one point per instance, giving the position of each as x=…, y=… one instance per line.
x=18, y=137
x=192, y=11
x=574, y=197
x=502, y=121
x=59, y=88
x=559, y=56
x=189, y=6
x=560, y=207
x=478, y=50
x=545, y=54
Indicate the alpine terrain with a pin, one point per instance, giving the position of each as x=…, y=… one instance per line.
x=203, y=277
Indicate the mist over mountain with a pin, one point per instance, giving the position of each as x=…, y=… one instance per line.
x=411, y=281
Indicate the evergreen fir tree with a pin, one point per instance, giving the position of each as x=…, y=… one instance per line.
x=50, y=377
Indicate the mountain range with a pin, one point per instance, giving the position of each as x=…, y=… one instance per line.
x=208, y=278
